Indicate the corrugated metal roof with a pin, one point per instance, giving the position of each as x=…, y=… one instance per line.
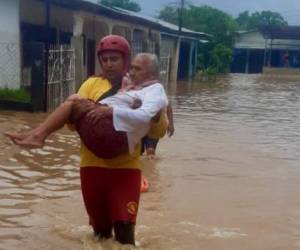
x=125, y=15
x=285, y=32
x=163, y=23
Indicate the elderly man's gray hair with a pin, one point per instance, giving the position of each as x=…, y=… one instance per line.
x=153, y=63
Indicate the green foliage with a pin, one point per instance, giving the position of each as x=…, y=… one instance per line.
x=170, y=14
x=243, y=20
x=217, y=62
x=213, y=57
x=220, y=59
x=204, y=19
x=20, y=95
x=124, y=4
x=255, y=20
x=208, y=74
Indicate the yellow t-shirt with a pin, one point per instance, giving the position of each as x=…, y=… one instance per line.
x=93, y=88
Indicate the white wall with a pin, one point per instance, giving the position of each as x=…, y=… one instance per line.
x=251, y=40
x=10, y=63
x=255, y=40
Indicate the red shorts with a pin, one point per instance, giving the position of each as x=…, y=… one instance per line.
x=110, y=195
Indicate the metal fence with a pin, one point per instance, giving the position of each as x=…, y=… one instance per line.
x=26, y=66
x=9, y=64
x=137, y=47
x=151, y=47
x=164, y=69
x=61, y=75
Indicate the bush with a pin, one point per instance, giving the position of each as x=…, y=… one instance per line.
x=19, y=95
x=221, y=58
x=208, y=74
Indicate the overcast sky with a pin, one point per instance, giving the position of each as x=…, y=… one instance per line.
x=290, y=9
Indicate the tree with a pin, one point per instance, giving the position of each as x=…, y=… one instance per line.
x=169, y=14
x=255, y=20
x=221, y=58
x=124, y=4
x=204, y=19
x=243, y=20
x=214, y=56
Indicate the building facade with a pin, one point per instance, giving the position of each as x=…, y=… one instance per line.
x=51, y=45
x=269, y=47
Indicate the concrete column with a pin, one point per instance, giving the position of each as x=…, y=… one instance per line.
x=265, y=53
x=174, y=63
x=78, y=24
x=196, y=57
x=191, y=65
x=158, y=45
x=110, y=27
x=77, y=43
x=10, y=60
x=247, y=61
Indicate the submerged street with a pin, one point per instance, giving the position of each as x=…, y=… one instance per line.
x=228, y=179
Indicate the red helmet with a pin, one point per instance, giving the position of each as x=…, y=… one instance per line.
x=115, y=43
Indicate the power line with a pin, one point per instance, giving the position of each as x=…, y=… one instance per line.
x=291, y=10
x=180, y=15
x=291, y=15
x=178, y=3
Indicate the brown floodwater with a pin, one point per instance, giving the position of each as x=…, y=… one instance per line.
x=228, y=179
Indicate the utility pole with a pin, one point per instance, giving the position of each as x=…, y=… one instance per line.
x=180, y=16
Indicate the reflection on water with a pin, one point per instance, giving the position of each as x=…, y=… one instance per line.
x=266, y=109
x=228, y=178
x=29, y=176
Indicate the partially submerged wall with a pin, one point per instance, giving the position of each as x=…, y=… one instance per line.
x=9, y=44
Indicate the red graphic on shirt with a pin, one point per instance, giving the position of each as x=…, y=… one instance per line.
x=132, y=207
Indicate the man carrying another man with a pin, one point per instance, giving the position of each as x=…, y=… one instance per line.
x=111, y=186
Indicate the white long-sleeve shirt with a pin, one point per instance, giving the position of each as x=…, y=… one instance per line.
x=136, y=122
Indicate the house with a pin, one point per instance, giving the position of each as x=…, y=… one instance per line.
x=269, y=47
x=32, y=30
x=181, y=47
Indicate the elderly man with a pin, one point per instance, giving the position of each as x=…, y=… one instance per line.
x=111, y=187
x=124, y=118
